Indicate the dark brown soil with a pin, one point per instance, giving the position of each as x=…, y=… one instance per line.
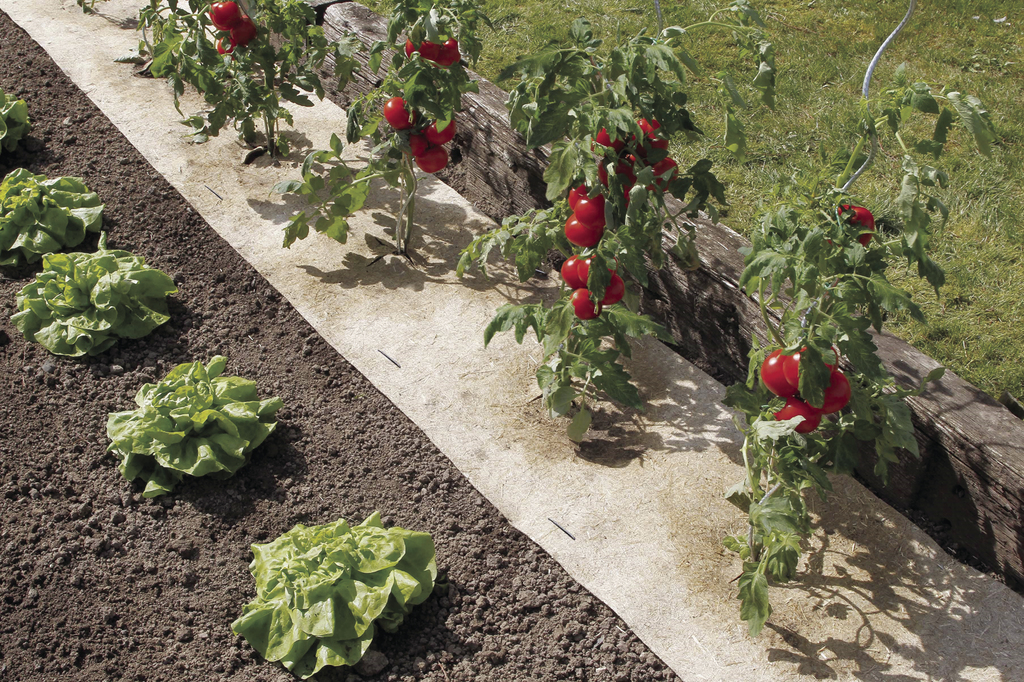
x=97, y=583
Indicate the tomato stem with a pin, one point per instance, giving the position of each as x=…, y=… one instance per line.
x=764, y=314
x=404, y=216
x=849, y=164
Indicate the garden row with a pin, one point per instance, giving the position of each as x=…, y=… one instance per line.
x=967, y=488
x=72, y=533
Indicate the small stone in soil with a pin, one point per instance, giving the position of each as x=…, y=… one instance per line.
x=372, y=663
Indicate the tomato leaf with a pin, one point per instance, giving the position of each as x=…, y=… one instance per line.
x=974, y=117
x=560, y=400
x=775, y=513
x=753, y=596
x=579, y=425
x=782, y=554
x=611, y=377
x=561, y=170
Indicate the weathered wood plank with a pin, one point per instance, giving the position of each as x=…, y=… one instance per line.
x=971, y=474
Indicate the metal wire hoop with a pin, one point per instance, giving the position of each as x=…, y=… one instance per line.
x=865, y=90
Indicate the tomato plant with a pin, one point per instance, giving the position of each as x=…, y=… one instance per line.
x=610, y=116
x=817, y=267
x=418, y=98
x=225, y=52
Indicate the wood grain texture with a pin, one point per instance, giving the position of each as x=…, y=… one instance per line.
x=970, y=478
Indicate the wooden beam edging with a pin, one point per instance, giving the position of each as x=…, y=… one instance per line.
x=969, y=481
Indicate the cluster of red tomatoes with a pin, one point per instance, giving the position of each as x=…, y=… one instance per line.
x=585, y=227
x=781, y=375
x=444, y=54
x=426, y=140
x=226, y=16
x=575, y=272
x=627, y=163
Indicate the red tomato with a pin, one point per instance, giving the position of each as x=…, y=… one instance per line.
x=861, y=218
x=429, y=50
x=433, y=159
x=583, y=271
x=798, y=408
x=774, y=377
x=581, y=235
x=590, y=211
x=791, y=367
x=244, y=32
x=576, y=194
x=396, y=114
x=604, y=138
x=221, y=49
x=663, y=167
x=614, y=291
x=837, y=395
x=441, y=137
x=225, y=15
x=570, y=273
x=418, y=143
x=449, y=53
x=648, y=126
x=584, y=308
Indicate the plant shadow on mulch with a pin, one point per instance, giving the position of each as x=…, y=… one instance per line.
x=921, y=595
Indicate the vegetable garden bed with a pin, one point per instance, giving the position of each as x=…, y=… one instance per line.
x=100, y=583
x=921, y=592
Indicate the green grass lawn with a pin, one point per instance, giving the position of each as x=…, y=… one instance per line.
x=822, y=50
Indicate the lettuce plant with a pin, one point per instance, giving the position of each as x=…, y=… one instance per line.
x=40, y=216
x=193, y=422
x=14, y=123
x=82, y=303
x=321, y=591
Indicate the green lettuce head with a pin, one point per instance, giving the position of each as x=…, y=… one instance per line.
x=14, y=123
x=194, y=422
x=321, y=591
x=40, y=216
x=82, y=303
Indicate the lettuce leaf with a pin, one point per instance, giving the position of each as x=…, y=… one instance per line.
x=193, y=422
x=40, y=216
x=14, y=122
x=321, y=591
x=82, y=303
